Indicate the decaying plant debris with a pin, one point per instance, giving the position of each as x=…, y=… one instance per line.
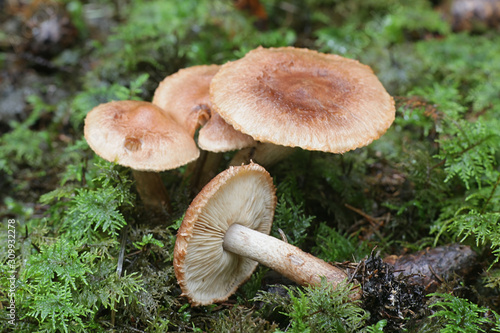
x=431, y=267
x=388, y=295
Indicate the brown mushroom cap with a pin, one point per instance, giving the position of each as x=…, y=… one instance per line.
x=139, y=135
x=205, y=271
x=299, y=97
x=185, y=96
x=219, y=136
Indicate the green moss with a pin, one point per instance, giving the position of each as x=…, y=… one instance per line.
x=459, y=315
x=320, y=308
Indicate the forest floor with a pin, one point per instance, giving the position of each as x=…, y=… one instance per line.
x=413, y=217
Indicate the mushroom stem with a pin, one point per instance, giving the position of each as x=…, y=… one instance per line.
x=265, y=154
x=152, y=191
x=284, y=258
x=209, y=169
x=204, y=169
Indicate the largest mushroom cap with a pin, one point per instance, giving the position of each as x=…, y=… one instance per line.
x=299, y=97
x=205, y=271
x=139, y=135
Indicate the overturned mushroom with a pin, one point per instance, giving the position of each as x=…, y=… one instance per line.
x=143, y=137
x=224, y=235
x=302, y=98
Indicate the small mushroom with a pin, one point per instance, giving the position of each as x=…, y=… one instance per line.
x=185, y=96
x=224, y=235
x=302, y=98
x=143, y=137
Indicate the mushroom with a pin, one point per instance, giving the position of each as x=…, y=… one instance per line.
x=185, y=96
x=143, y=137
x=224, y=235
x=302, y=98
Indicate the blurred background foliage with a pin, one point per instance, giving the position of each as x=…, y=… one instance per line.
x=432, y=179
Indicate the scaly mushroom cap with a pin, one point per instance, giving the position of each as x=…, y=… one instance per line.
x=185, y=96
x=139, y=135
x=205, y=271
x=299, y=97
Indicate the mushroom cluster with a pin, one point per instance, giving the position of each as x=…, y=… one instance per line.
x=264, y=104
x=157, y=136
x=224, y=235
x=282, y=98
